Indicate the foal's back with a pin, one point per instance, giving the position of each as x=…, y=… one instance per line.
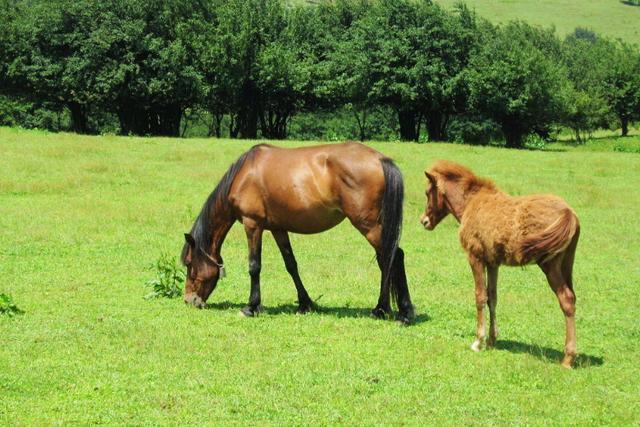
x=495, y=225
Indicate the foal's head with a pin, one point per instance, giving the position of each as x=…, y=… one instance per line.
x=436, y=208
x=203, y=272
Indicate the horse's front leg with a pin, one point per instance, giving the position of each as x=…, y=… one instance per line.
x=478, y=268
x=254, y=239
x=284, y=244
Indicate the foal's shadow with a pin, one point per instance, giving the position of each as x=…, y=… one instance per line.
x=339, y=312
x=548, y=354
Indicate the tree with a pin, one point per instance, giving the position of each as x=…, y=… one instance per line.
x=623, y=83
x=515, y=83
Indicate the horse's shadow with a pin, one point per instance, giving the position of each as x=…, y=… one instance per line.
x=547, y=354
x=339, y=312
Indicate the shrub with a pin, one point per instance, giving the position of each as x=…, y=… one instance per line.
x=8, y=307
x=169, y=278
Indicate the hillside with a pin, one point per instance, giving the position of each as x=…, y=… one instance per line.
x=613, y=18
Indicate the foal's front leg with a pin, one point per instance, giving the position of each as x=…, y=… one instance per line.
x=254, y=239
x=477, y=268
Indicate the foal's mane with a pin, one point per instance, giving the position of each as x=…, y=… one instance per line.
x=217, y=200
x=455, y=172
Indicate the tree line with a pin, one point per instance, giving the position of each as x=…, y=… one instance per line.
x=146, y=67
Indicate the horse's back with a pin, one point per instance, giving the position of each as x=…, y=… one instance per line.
x=303, y=189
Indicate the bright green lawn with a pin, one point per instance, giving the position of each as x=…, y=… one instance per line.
x=613, y=18
x=82, y=218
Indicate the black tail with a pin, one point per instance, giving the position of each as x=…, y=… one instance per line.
x=391, y=219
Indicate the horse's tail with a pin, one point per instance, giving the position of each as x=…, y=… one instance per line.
x=391, y=219
x=552, y=241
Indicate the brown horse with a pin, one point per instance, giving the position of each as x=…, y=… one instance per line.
x=496, y=229
x=301, y=190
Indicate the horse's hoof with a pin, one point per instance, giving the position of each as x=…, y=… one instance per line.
x=379, y=313
x=476, y=346
x=404, y=320
x=248, y=312
x=304, y=310
x=491, y=342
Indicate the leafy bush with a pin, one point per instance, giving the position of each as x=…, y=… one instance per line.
x=169, y=278
x=8, y=307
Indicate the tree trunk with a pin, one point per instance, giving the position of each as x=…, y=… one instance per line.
x=407, y=121
x=362, y=123
x=624, y=120
x=79, y=119
x=247, y=119
x=435, y=125
x=513, y=134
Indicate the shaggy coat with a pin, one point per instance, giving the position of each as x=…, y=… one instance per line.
x=496, y=228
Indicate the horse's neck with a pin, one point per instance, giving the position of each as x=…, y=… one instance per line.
x=221, y=225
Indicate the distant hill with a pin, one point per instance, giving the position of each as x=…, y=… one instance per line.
x=612, y=18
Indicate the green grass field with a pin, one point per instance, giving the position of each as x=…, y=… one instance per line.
x=82, y=219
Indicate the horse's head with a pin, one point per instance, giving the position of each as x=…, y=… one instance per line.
x=436, y=208
x=203, y=272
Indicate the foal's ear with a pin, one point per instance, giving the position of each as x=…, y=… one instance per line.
x=430, y=177
x=190, y=240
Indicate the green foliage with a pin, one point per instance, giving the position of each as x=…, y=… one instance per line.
x=169, y=279
x=8, y=307
x=516, y=81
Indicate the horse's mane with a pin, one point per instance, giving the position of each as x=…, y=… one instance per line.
x=202, y=227
x=462, y=175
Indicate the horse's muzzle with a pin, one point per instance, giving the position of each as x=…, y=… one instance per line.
x=194, y=299
x=425, y=222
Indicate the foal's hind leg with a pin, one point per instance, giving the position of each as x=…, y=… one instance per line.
x=477, y=267
x=492, y=294
x=284, y=244
x=566, y=297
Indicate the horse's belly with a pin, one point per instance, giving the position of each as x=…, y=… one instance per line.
x=305, y=221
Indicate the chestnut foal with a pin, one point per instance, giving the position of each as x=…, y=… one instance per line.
x=496, y=229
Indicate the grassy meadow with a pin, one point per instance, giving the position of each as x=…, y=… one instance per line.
x=83, y=218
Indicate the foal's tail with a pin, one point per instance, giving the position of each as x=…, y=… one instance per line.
x=554, y=240
x=391, y=219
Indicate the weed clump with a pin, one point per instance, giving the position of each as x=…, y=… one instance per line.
x=8, y=307
x=169, y=278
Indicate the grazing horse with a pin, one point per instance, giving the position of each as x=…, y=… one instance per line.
x=301, y=190
x=496, y=229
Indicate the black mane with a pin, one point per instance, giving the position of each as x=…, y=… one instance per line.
x=202, y=228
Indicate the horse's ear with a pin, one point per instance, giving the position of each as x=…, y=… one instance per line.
x=190, y=240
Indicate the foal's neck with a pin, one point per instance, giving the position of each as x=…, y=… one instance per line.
x=459, y=198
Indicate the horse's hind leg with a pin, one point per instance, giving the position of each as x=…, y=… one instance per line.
x=284, y=244
x=399, y=281
x=373, y=235
x=492, y=300
x=553, y=269
x=477, y=268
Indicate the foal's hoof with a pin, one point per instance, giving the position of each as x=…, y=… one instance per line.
x=491, y=342
x=476, y=346
x=379, y=313
x=567, y=362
